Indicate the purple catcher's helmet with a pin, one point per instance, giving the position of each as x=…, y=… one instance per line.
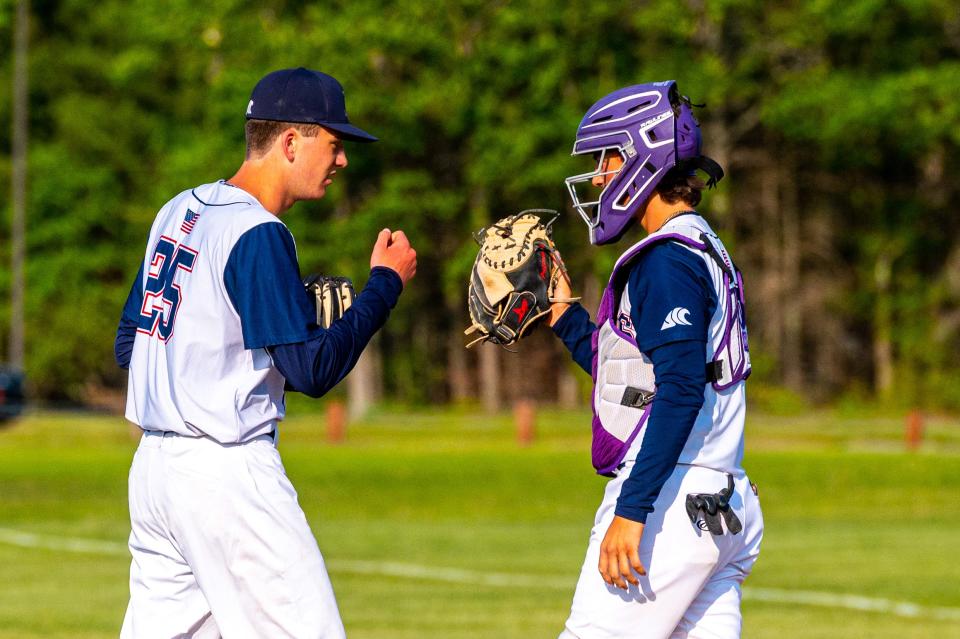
x=653, y=129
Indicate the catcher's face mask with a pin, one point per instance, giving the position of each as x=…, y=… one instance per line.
x=588, y=189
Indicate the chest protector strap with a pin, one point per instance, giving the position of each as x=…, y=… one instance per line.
x=624, y=383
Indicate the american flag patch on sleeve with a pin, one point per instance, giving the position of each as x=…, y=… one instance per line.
x=189, y=221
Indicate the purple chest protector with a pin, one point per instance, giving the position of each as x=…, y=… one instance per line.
x=624, y=383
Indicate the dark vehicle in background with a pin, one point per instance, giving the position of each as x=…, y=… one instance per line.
x=11, y=393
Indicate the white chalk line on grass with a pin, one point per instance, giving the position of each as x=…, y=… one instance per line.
x=69, y=544
x=505, y=580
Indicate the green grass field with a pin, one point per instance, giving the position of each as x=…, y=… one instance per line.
x=436, y=524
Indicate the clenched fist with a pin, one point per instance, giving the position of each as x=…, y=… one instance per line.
x=393, y=250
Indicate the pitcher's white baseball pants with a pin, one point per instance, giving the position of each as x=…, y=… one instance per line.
x=221, y=547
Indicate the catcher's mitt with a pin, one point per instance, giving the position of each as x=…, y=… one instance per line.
x=333, y=295
x=514, y=277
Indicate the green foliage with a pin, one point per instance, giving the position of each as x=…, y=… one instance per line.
x=476, y=104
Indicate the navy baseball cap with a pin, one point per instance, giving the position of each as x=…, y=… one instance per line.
x=304, y=96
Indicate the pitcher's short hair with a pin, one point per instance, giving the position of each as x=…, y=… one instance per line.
x=260, y=134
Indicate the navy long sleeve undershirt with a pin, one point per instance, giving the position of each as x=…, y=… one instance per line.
x=666, y=279
x=127, y=330
x=575, y=330
x=681, y=377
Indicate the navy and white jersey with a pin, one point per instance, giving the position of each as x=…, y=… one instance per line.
x=218, y=285
x=667, y=312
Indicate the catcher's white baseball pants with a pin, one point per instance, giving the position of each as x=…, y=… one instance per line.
x=221, y=547
x=692, y=586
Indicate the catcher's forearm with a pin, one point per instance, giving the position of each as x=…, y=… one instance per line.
x=576, y=330
x=317, y=365
x=680, y=374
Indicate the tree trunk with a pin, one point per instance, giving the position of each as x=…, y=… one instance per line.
x=590, y=299
x=568, y=389
x=489, y=359
x=488, y=355
x=883, y=327
x=827, y=356
x=793, y=312
x=708, y=37
x=769, y=291
x=458, y=369
x=720, y=144
x=18, y=187
x=363, y=383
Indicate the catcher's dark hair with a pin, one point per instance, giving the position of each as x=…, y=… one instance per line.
x=260, y=134
x=679, y=186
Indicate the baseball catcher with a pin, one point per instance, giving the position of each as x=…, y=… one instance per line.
x=680, y=525
x=514, y=278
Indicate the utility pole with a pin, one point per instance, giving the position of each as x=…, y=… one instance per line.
x=18, y=188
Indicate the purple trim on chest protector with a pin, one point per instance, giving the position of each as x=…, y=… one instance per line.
x=727, y=330
x=735, y=305
x=736, y=376
x=626, y=257
x=627, y=337
x=607, y=451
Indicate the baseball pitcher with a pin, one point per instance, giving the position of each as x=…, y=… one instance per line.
x=216, y=325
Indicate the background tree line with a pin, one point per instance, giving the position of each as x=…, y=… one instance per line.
x=838, y=124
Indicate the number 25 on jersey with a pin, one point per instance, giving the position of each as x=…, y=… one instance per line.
x=161, y=297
